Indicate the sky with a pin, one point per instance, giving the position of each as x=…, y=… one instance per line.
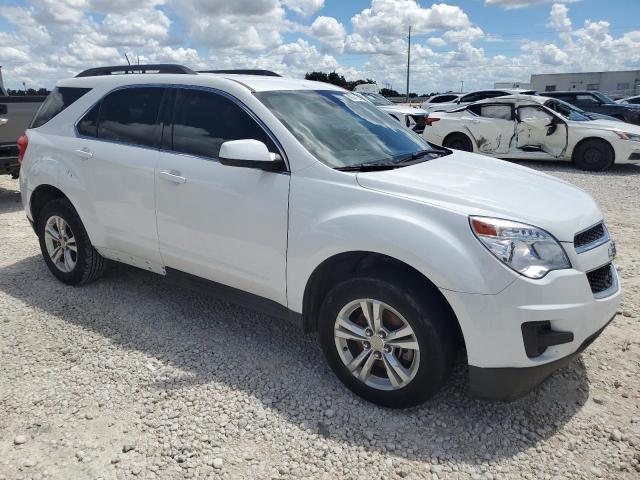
x=477, y=42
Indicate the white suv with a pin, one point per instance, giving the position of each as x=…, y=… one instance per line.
x=305, y=200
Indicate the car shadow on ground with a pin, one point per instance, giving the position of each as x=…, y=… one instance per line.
x=10, y=200
x=550, y=166
x=209, y=341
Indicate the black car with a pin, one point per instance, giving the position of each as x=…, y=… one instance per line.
x=599, y=103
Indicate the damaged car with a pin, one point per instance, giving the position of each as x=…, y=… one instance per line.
x=523, y=127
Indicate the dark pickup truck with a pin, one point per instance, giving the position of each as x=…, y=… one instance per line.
x=599, y=103
x=16, y=113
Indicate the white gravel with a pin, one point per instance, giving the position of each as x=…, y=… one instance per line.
x=131, y=377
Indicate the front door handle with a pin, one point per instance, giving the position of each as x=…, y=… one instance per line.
x=173, y=176
x=84, y=154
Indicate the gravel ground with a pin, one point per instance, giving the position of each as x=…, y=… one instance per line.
x=132, y=377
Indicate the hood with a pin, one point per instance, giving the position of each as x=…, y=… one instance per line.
x=473, y=184
x=403, y=109
x=614, y=125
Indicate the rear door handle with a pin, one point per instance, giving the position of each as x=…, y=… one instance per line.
x=84, y=154
x=173, y=176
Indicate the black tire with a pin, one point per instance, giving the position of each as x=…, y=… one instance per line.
x=458, y=141
x=593, y=155
x=430, y=320
x=89, y=264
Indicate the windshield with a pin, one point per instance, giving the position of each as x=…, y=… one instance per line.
x=567, y=110
x=377, y=100
x=342, y=129
x=603, y=97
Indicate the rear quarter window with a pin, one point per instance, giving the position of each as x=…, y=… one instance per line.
x=59, y=99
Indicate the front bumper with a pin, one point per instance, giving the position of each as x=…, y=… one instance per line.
x=508, y=384
x=492, y=325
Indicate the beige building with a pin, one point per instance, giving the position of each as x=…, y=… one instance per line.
x=616, y=83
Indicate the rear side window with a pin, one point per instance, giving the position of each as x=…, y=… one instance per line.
x=502, y=112
x=130, y=116
x=203, y=121
x=443, y=98
x=477, y=96
x=585, y=98
x=59, y=99
x=88, y=125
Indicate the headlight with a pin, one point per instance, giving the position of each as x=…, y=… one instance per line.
x=629, y=136
x=528, y=250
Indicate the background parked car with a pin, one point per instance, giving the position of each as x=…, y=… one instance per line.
x=565, y=109
x=434, y=100
x=599, y=103
x=471, y=97
x=632, y=100
x=414, y=118
x=522, y=127
x=16, y=113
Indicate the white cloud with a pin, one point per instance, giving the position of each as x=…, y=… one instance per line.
x=437, y=41
x=136, y=30
x=305, y=8
x=329, y=32
x=464, y=35
x=390, y=19
x=512, y=4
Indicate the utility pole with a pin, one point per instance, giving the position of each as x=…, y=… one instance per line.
x=461, y=86
x=408, y=62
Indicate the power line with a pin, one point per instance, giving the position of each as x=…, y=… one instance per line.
x=520, y=34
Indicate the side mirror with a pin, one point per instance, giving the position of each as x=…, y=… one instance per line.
x=249, y=154
x=3, y=121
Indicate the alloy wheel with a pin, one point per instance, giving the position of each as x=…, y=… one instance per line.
x=377, y=344
x=61, y=244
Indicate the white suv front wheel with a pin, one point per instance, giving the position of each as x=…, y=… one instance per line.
x=389, y=340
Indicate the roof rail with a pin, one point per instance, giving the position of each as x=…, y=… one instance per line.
x=264, y=73
x=124, y=69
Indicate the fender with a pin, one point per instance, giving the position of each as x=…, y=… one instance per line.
x=422, y=236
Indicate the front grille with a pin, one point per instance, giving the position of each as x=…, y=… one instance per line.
x=600, y=279
x=590, y=237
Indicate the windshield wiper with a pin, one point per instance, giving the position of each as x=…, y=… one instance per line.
x=367, y=167
x=412, y=157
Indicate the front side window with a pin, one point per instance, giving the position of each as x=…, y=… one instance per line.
x=531, y=114
x=567, y=110
x=59, y=99
x=341, y=129
x=204, y=120
x=131, y=116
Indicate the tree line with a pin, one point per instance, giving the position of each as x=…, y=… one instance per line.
x=336, y=79
x=28, y=92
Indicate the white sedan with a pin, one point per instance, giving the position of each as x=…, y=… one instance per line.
x=523, y=127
